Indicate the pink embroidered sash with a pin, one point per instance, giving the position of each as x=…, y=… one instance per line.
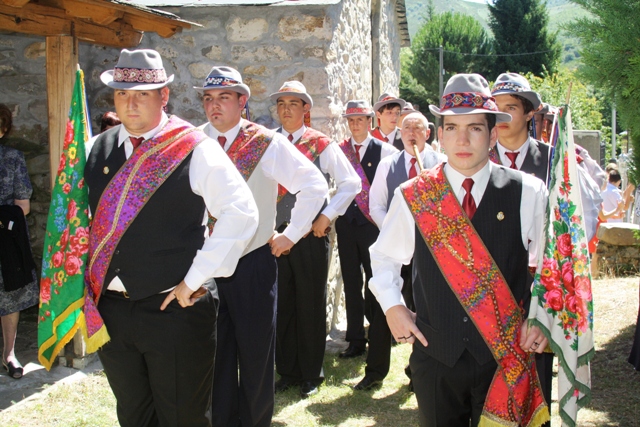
x=311, y=144
x=249, y=147
x=130, y=189
x=362, y=198
x=514, y=398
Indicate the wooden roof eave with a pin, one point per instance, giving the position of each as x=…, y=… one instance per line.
x=99, y=22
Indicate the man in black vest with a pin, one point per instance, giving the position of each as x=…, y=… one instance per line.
x=452, y=366
x=356, y=232
x=158, y=304
x=302, y=273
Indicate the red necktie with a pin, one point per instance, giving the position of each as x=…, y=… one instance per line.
x=513, y=156
x=412, y=169
x=222, y=140
x=290, y=137
x=358, y=147
x=468, y=204
x=136, y=141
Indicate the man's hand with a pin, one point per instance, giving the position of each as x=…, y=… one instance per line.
x=185, y=296
x=532, y=340
x=402, y=323
x=280, y=243
x=320, y=226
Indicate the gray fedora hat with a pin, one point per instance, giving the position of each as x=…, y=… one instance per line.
x=139, y=69
x=408, y=109
x=223, y=77
x=292, y=88
x=468, y=94
x=516, y=84
x=358, y=108
x=388, y=98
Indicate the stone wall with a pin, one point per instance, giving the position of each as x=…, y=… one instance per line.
x=386, y=42
x=618, y=249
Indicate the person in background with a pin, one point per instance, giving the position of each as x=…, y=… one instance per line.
x=388, y=109
x=109, y=120
x=302, y=273
x=20, y=291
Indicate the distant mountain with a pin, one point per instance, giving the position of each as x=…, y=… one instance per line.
x=560, y=12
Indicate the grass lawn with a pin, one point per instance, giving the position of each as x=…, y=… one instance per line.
x=615, y=402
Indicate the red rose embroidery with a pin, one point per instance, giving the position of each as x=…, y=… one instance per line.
x=69, y=134
x=73, y=210
x=72, y=265
x=66, y=188
x=567, y=276
x=564, y=244
x=554, y=299
x=45, y=290
x=64, y=238
x=63, y=162
x=57, y=259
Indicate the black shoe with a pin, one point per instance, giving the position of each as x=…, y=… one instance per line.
x=368, y=383
x=15, y=370
x=308, y=388
x=284, y=385
x=411, y=386
x=353, y=350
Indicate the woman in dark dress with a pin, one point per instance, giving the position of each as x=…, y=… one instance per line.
x=15, y=189
x=634, y=358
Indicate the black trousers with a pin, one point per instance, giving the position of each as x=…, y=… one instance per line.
x=160, y=363
x=353, y=248
x=302, y=310
x=379, y=354
x=450, y=396
x=243, y=393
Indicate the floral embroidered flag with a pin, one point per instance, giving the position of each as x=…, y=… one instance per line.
x=66, y=241
x=562, y=302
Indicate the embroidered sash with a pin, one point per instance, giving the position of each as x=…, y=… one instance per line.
x=514, y=397
x=311, y=144
x=249, y=147
x=362, y=198
x=130, y=189
x=494, y=156
x=377, y=134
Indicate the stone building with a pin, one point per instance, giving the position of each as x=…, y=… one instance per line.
x=340, y=50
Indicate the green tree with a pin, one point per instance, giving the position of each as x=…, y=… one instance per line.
x=611, y=60
x=519, y=27
x=466, y=46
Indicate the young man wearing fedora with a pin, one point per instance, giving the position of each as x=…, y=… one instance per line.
x=356, y=231
x=247, y=316
x=388, y=110
x=472, y=228
x=302, y=273
x=149, y=266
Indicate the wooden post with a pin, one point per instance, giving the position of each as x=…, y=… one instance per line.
x=62, y=60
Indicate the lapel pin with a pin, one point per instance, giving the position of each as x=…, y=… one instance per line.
x=369, y=164
x=500, y=216
x=105, y=170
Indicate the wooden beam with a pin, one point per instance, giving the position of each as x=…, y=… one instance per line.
x=151, y=24
x=14, y=3
x=48, y=21
x=98, y=13
x=62, y=60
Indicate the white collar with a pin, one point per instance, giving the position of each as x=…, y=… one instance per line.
x=124, y=134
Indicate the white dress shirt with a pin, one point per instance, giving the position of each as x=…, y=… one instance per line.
x=282, y=164
x=390, y=252
x=227, y=197
x=611, y=196
x=378, y=196
x=335, y=163
x=522, y=153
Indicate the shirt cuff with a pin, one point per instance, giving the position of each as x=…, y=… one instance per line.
x=390, y=298
x=330, y=213
x=194, y=279
x=293, y=233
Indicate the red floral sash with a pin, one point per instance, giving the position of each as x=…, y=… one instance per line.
x=514, y=398
x=494, y=156
x=377, y=134
x=311, y=144
x=130, y=189
x=362, y=198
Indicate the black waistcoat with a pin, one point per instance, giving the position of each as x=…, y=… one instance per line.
x=441, y=318
x=158, y=248
x=369, y=164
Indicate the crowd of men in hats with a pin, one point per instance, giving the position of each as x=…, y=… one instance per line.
x=220, y=271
